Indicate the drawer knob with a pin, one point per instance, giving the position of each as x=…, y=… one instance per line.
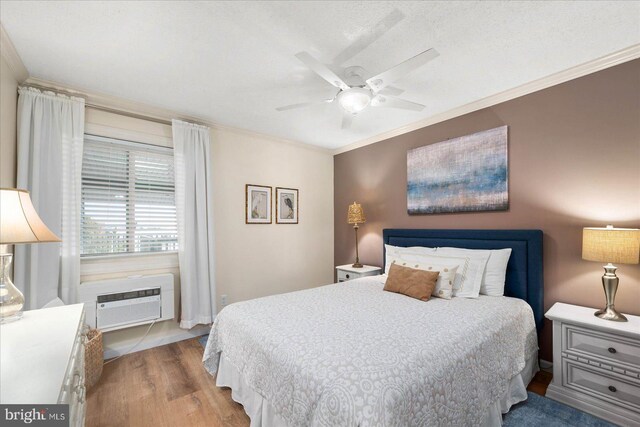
x=612, y=389
x=612, y=350
x=347, y=276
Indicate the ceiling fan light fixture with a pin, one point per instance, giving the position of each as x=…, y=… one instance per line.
x=355, y=99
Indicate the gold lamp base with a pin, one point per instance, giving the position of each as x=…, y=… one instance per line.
x=610, y=313
x=610, y=284
x=357, y=264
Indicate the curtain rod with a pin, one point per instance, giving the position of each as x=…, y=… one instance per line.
x=106, y=109
x=128, y=114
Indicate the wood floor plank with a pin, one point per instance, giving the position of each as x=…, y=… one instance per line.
x=162, y=386
x=150, y=410
x=167, y=386
x=145, y=374
x=540, y=382
x=196, y=410
x=107, y=401
x=178, y=378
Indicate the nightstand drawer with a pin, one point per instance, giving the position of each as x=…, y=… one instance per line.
x=343, y=276
x=602, y=385
x=345, y=273
x=603, y=347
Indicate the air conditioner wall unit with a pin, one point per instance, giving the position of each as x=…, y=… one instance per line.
x=129, y=301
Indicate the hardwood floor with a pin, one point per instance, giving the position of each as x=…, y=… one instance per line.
x=540, y=382
x=167, y=386
x=162, y=386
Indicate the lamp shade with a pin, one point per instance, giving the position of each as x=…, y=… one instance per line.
x=615, y=245
x=19, y=222
x=355, y=214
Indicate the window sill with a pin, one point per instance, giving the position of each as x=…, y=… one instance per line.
x=128, y=263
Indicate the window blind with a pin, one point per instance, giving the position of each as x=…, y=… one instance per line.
x=128, y=201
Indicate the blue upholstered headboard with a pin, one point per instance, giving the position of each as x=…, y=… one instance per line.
x=524, y=271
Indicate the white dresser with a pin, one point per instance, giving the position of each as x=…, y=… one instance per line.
x=596, y=363
x=42, y=359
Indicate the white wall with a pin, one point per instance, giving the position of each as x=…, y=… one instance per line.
x=251, y=260
x=8, y=105
x=254, y=260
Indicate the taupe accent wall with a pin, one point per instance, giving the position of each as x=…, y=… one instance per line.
x=574, y=161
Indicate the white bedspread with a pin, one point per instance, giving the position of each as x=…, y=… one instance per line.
x=351, y=354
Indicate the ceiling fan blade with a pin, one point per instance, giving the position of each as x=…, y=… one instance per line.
x=303, y=105
x=391, y=90
x=391, y=75
x=370, y=36
x=322, y=70
x=347, y=119
x=393, y=102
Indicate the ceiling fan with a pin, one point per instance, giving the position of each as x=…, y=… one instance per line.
x=355, y=93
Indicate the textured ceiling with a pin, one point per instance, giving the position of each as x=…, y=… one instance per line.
x=233, y=62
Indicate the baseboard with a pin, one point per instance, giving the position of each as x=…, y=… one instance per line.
x=151, y=342
x=545, y=365
x=594, y=406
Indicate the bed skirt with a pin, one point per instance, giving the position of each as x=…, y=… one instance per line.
x=257, y=408
x=262, y=413
x=517, y=392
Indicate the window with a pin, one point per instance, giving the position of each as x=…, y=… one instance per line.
x=128, y=202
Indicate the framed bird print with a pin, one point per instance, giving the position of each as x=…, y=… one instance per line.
x=257, y=204
x=286, y=205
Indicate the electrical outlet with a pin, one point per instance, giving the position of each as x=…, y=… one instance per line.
x=223, y=300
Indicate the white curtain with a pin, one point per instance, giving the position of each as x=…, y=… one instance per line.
x=50, y=136
x=194, y=209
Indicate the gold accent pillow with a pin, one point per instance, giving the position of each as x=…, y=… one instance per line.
x=411, y=282
x=446, y=267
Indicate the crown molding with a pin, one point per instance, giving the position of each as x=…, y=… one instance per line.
x=10, y=54
x=140, y=110
x=628, y=54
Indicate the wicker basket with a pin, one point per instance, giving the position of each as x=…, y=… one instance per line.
x=93, y=358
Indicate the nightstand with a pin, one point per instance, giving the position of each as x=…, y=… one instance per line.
x=596, y=363
x=347, y=272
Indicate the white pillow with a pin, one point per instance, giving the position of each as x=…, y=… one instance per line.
x=412, y=254
x=495, y=272
x=472, y=265
x=446, y=268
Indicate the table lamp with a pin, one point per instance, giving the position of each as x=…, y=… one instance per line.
x=19, y=223
x=355, y=216
x=619, y=245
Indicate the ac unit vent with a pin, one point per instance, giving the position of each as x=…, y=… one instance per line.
x=131, y=310
x=121, y=303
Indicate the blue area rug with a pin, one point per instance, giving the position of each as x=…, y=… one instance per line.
x=203, y=340
x=536, y=411
x=540, y=411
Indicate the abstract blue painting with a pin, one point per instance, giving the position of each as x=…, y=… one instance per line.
x=465, y=174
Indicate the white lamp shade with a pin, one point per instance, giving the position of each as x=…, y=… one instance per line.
x=19, y=221
x=615, y=245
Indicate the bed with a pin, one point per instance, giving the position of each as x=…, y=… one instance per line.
x=351, y=354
